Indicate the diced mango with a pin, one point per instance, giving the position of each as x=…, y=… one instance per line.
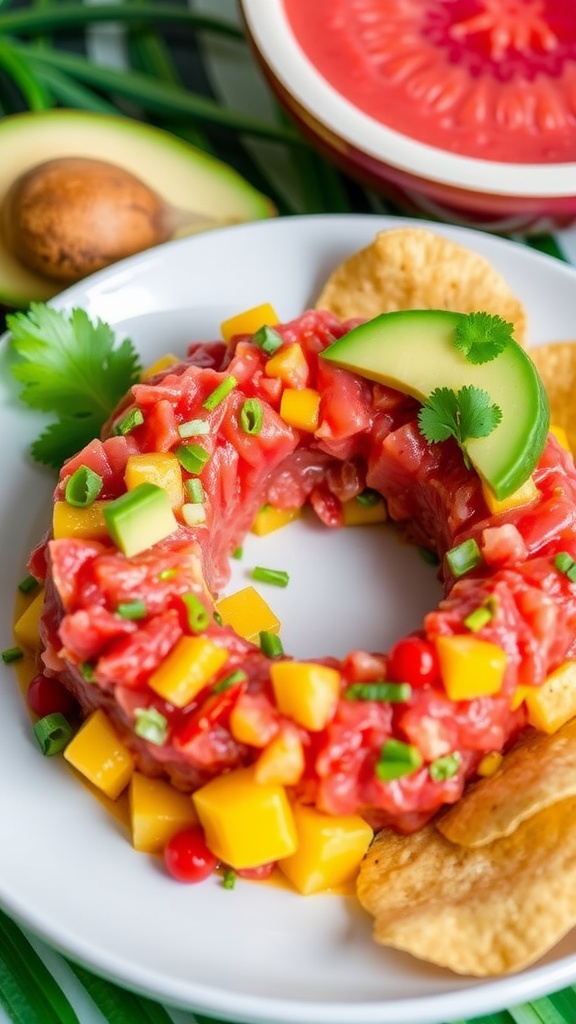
x=490, y=763
x=85, y=522
x=306, y=692
x=160, y=468
x=248, y=614
x=97, y=752
x=519, y=696
x=561, y=436
x=281, y=763
x=269, y=519
x=329, y=852
x=470, y=667
x=187, y=669
x=289, y=365
x=246, y=824
x=526, y=493
x=554, y=702
x=157, y=812
x=163, y=363
x=27, y=625
x=253, y=720
x=357, y=514
x=300, y=408
x=249, y=321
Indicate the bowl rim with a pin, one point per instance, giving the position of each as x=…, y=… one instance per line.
x=271, y=34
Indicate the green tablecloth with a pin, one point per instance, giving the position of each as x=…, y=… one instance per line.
x=37, y=985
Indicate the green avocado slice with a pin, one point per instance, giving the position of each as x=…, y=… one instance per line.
x=183, y=175
x=413, y=351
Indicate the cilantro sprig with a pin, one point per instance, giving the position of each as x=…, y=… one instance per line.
x=462, y=414
x=72, y=367
x=482, y=336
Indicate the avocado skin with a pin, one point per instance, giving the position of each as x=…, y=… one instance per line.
x=412, y=351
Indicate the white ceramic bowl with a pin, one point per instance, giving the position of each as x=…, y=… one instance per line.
x=494, y=195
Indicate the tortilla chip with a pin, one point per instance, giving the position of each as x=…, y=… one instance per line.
x=413, y=268
x=484, y=911
x=556, y=364
x=538, y=772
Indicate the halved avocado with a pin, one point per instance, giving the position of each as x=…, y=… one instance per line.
x=183, y=175
x=413, y=351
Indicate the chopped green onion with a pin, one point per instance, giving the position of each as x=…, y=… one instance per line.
x=478, y=618
x=87, y=670
x=83, y=487
x=194, y=428
x=28, y=585
x=218, y=618
x=195, y=490
x=239, y=676
x=229, y=880
x=428, y=556
x=193, y=457
x=267, y=339
x=444, y=767
x=131, y=610
x=220, y=393
x=198, y=616
x=277, y=577
x=251, y=416
x=270, y=644
x=132, y=419
x=368, y=497
x=167, y=574
x=193, y=513
x=151, y=725
x=53, y=733
x=464, y=557
x=238, y=553
x=393, y=692
x=12, y=654
x=566, y=565
x=397, y=759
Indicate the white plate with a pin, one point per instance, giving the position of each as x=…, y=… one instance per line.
x=67, y=871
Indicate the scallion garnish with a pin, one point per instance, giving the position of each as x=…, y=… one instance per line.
x=150, y=724
x=565, y=564
x=238, y=553
x=83, y=487
x=198, y=616
x=12, y=654
x=368, y=497
x=267, y=339
x=87, y=670
x=218, y=618
x=444, y=767
x=478, y=618
x=397, y=759
x=270, y=644
x=220, y=393
x=193, y=513
x=251, y=416
x=28, y=584
x=194, y=428
x=277, y=577
x=464, y=557
x=428, y=556
x=229, y=880
x=167, y=574
x=132, y=419
x=193, y=457
x=382, y=691
x=53, y=733
x=195, y=490
x=239, y=676
x=131, y=609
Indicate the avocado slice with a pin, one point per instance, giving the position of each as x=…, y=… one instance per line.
x=140, y=518
x=413, y=351
x=184, y=176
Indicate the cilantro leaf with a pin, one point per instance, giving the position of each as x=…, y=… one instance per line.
x=72, y=367
x=464, y=414
x=482, y=336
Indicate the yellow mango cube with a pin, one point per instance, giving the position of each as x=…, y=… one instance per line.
x=554, y=702
x=306, y=692
x=157, y=812
x=97, y=752
x=27, y=625
x=163, y=363
x=249, y=321
x=357, y=514
x=282, y=760
x=526, y=493
x=329, y=852
x=187, y=669
x=85, y=522
x=289, y=365
x=160, y=468
x=269, y=519
x=300, y=408
x=246, y=824
x=470, y=667
x=248, y=614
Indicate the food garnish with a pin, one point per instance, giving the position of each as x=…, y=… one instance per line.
x=461, y=414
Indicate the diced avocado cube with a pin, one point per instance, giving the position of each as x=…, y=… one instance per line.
x=140, y=518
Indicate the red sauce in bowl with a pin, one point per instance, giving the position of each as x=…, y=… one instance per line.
x=490, y=79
